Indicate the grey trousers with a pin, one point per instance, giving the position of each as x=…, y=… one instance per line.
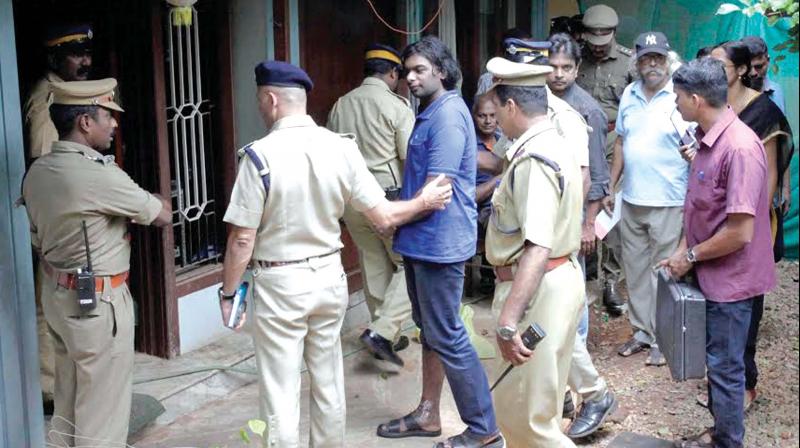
x=649, y=235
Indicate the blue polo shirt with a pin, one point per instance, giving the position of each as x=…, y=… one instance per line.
x=655, y=174
x=443, y=142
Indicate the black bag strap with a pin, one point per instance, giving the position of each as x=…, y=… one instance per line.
x=262, y=170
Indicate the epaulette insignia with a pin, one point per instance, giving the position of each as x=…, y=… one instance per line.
x=625, y=50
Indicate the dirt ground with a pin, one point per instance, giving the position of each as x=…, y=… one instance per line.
x=651, y=403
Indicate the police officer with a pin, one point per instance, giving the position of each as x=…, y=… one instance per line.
x=69, y=58
x=532, y=239
x=382, y=121
x=290, y=192
x=606, y=70
x=72, y=185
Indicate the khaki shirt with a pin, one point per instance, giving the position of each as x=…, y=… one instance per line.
x=606, y=80
x=382, y=122
x=570, y=125
x=75, y=183
x=528, y=206
x=41, y=130
x=314, y=173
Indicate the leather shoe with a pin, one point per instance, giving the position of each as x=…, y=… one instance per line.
x=592, y=415
x=380, y=347
x=611, y=299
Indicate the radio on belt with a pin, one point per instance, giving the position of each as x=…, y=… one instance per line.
x=87, y=294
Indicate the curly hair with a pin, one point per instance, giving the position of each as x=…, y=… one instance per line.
x=437, y=53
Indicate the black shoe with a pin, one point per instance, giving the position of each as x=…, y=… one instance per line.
x=568, y=410
x=591, y=416
x=401, y=344
x=611, y=299
x=380, y=347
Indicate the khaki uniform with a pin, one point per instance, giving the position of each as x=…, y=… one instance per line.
x=93, y=352
x=41, y=130
x=606, y=80
x=382, y=122
x=299, y=307
x=41, y=135
x=571, y=126
x=528, y=206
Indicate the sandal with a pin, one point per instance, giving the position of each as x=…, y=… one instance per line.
x=406, y=426
x=467, y=440
x=631, y=347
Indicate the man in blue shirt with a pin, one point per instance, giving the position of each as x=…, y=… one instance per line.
x=434, y=249
x=650, y=131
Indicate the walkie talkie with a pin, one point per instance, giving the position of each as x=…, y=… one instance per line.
x=87, y=297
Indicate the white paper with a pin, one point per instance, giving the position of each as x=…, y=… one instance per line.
x=605, y=222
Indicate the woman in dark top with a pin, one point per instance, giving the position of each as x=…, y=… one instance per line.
x=768, y=122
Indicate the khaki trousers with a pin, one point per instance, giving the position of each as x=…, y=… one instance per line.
x=529, y=401
x=583, y=378
x=649, y=235
x=94, y=365
x=385, y=280
x=47, y=363
x=299, y=309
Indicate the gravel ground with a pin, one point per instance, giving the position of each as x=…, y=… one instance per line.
x=652, y=404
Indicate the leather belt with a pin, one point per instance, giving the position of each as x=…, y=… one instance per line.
x=273, y=264
x=70, y=281
x=506, y=274
x=611, y=126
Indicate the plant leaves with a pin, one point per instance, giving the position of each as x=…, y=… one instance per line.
x=257, y=427
x=245, y=437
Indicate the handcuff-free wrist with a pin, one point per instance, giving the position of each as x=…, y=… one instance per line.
x=222, y=296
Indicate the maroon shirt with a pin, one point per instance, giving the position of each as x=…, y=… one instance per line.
x=729, y=175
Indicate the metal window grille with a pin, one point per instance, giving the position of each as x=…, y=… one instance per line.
x=195, y=218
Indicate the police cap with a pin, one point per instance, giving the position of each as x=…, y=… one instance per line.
x=380, y=51
x=599, y=18
x=282, y=74
x=525, y=51
x=86, y=93
x=511, y=73
x=69, y=37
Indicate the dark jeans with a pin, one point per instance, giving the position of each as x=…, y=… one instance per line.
x=435, y=292
x=727, y=326
x=750, y=368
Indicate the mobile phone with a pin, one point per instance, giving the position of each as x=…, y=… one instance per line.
x=687, y=137
x=532, y=336
x=239, y=305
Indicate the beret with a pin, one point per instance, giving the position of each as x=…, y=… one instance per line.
x=282, y=74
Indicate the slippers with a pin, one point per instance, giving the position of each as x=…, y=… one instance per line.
x=631, y=347
x=406, y=426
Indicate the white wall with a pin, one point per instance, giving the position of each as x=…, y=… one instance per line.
x=249, y=47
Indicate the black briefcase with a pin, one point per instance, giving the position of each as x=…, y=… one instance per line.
x=681, y=327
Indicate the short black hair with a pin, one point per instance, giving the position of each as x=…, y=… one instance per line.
x=703, y=52
x=64, y=115
x=566, y=45
x=704, y=77
x=377, y=66
x=756, y=45
x=739, y=55
x=439, y=55
x=532, y=100
x=515, y=33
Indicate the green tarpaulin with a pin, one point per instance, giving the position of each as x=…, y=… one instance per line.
x=690, y=25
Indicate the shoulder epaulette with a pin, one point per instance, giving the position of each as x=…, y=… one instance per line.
x=263, y=171
x=547, y=162
x=624, y=50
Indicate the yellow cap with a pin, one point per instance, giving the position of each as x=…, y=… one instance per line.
x=86, y=93
x=510, y=73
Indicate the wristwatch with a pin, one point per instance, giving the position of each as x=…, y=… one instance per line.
x=690, y=257
x=506, y=332
x=223, y=296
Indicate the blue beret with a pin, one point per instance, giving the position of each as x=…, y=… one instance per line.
x=282, y=74
x=73, y=34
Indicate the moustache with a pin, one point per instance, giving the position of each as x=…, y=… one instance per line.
x=83, y=70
